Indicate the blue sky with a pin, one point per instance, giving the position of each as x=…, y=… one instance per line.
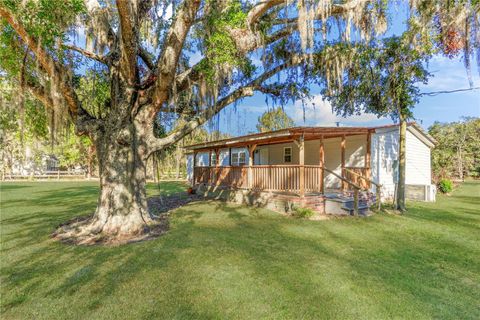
x=447, y=74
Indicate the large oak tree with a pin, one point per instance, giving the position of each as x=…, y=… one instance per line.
x=143, y=48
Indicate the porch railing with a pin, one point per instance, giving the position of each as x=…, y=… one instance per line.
x=224, y=176
x=276, y=178
x=358, y=175
x=264, y=177
x=363, y=178
x=284, y=178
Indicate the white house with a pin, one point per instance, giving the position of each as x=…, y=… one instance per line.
x=308, y=160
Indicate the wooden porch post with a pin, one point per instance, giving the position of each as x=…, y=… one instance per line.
x=194, y=165
x=216, y=169
x=368, y=155
x=301, y=147
x=251, y=150
x=322, y=164
x=217, y=157
x=210, y=170
x=342, y=145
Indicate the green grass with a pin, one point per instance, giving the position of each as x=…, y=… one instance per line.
x=225, y=261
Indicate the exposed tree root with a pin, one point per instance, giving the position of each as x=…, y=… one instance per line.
x=88, y=231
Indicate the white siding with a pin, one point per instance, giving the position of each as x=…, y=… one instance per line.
x=275, y=153
x=312, y=152
x=384, y=155
x=355, y=149
x=418, y=161
x=333, y=162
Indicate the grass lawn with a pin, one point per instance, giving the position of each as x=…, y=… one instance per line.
x=226, y=261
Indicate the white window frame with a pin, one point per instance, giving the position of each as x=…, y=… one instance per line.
x=285, y=155
x=213, y=159
x=236, y=155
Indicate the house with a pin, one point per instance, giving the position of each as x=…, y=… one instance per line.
x=330, y=169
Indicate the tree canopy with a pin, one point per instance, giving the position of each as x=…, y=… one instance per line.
x=457, y=152
x=274, y=119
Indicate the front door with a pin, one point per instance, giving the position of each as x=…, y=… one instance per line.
x=261, y=156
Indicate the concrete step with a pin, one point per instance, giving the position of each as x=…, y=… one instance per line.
x=343, y=204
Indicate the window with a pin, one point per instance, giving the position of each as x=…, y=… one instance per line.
x=287, y=154
x=213, y=159
x=238, y=158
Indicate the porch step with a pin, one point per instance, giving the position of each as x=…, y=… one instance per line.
x=343, y=204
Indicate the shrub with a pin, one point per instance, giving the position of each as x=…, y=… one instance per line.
x=305, y=213
x=445, y=185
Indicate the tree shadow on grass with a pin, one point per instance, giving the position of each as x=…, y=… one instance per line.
x=219, y=259
x=10, y=186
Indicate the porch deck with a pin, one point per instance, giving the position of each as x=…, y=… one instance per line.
x=304, y=172
x=333, y=201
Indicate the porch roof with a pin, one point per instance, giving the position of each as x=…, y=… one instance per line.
x=290, y=134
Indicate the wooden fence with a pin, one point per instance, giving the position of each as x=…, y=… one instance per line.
x=57, y=174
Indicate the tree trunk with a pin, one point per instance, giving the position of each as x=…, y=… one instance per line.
x=91, y=155
x=460, y=163
x=122, y=212
x=178, y=156
x=400, y=203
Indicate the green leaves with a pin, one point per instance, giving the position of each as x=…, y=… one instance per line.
x=48, y=20
x=381, y=78
x=274, y=119
x=219, y=47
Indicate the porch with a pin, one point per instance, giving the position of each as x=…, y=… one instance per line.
x=299, y=162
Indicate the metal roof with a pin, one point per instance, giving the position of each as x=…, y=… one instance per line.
x=289, y=134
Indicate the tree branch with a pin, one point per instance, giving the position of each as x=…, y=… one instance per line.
x=99, y=14
x=51, y=66
x=85, y=53
x=128, y=40
x=39, y=92
x=242, y=92
x=168, y=59
x=259, y=10
x=145, y=56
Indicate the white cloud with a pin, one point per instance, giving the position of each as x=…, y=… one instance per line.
x=318, y=112
x=449, y=74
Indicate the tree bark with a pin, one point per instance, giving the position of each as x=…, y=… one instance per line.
x=91, y=155
x=178, y=156
x=400, y=203
x=122, y=211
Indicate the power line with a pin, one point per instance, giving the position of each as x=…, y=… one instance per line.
x=435, y=93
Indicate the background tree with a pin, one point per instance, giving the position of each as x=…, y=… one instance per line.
x=144, y=53
x=274, y=119
x=457, y=152
x=384, y=81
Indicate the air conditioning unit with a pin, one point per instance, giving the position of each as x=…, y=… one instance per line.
x=430, y=192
